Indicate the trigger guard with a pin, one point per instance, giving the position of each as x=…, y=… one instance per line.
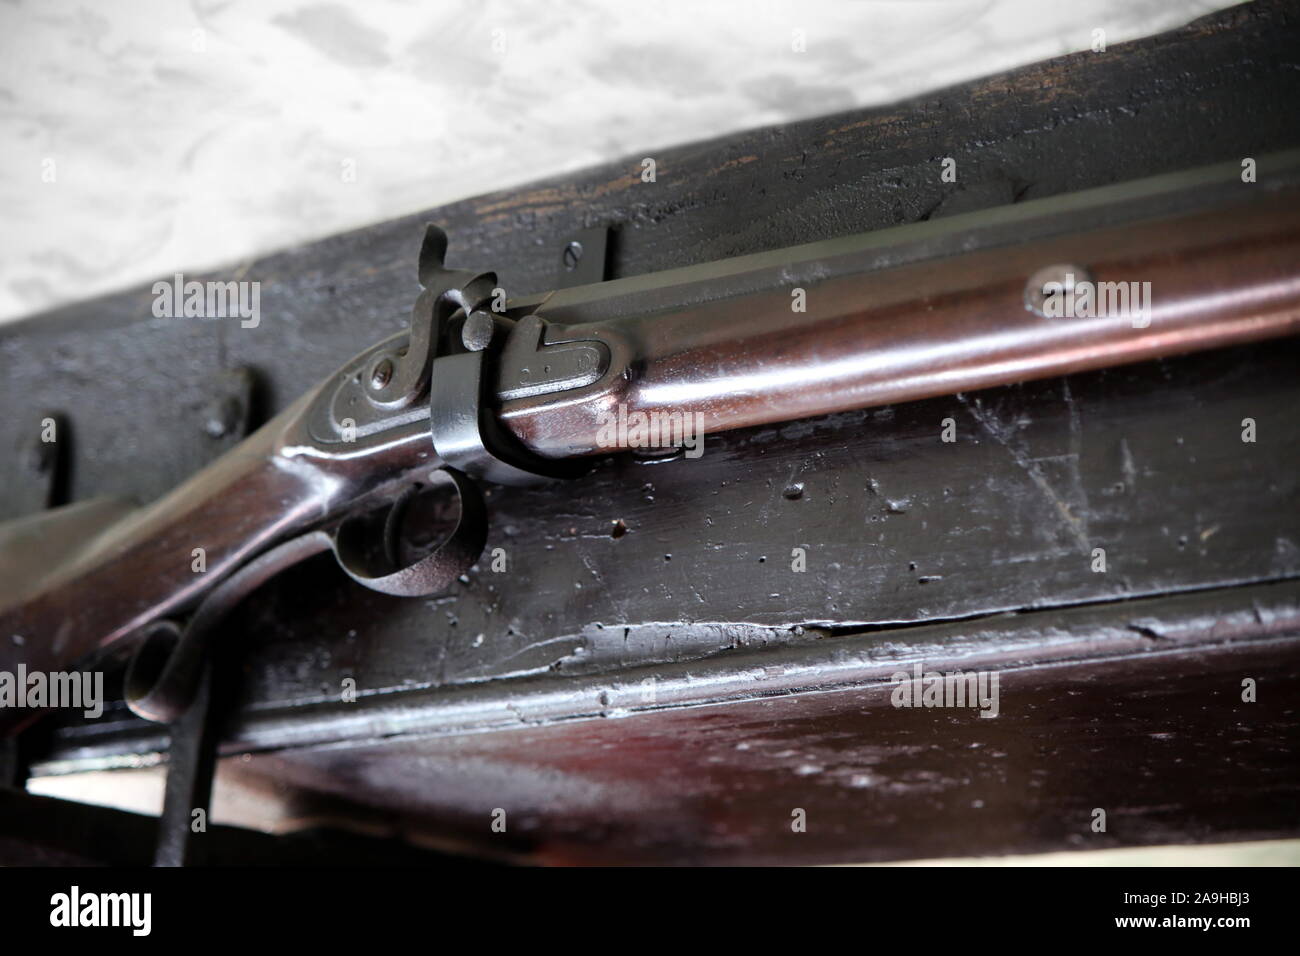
x=434, y=572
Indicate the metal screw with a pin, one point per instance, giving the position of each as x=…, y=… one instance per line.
x=381, y=374
x=479, y=330
x=222, y=416
x=660, y=453
x=572, y=255
x=1065, y=275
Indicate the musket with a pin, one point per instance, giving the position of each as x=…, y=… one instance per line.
x=484, y=389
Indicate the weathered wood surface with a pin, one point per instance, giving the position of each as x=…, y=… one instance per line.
x=1158, y=737
x=1146, y=462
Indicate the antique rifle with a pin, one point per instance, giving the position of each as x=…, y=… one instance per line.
x=482, y=388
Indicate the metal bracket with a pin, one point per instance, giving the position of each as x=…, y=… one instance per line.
x=462, y=393
x=584, y=258
x=42, y=466
x=191, y=766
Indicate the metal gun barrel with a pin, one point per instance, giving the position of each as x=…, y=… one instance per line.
x=1156, y=287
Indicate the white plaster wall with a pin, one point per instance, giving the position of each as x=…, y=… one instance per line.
x=138, y=139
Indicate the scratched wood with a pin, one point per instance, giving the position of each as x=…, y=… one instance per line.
x=900, y=529
x=1163, y=743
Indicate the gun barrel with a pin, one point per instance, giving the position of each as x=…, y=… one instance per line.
x=1158, y=286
